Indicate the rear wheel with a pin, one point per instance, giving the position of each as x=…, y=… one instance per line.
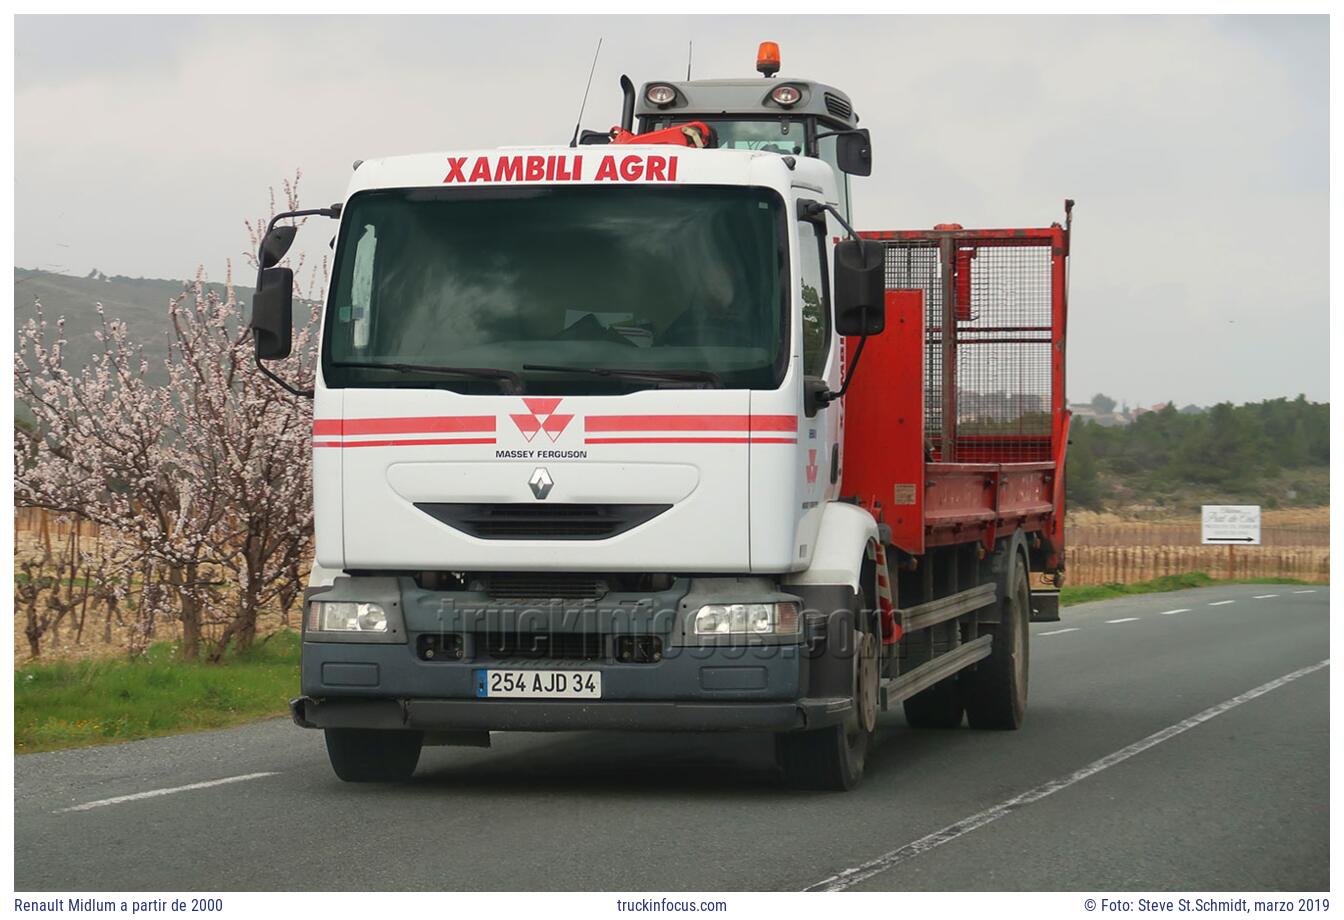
x=996, y=688
x=363, y=755
x=834, y=757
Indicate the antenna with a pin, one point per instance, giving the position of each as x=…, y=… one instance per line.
x=574, y=141
x=690, y=51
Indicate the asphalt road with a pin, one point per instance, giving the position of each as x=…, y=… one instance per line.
x=1237, y=799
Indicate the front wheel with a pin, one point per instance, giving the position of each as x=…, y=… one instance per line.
x=365, y=755
x=833, y=758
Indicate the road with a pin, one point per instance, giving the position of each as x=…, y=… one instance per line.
x=1236, y=799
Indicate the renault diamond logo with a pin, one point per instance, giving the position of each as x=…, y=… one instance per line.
x=541, y=482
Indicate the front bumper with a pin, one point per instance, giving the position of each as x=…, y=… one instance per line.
x=690, y=686
x=566, y=715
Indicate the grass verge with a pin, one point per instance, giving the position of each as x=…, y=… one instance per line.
x=80, y=703
x=1083, y=594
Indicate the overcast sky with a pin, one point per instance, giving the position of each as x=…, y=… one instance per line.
x=1197, y=148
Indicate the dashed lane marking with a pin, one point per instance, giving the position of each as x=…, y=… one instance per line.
x=1220, y=603
x=1058, y=632
x=1123, y=620
x=1307, y=591
x=154, y=793
x=848, y=878
x=1169, y=613
x=1260, y=597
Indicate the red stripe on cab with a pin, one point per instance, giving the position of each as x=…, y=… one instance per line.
x=690, y=423
x=428, y=425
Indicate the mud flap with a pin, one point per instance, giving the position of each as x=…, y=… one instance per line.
x=1044, y=606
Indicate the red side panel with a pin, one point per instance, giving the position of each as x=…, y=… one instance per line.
x=956, y=425
x=884, y=423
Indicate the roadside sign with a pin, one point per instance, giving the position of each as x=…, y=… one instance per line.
x=1231, y=524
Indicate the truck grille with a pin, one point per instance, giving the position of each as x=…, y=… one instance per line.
x=544, y=584
x=519, y=521
x=541, y=646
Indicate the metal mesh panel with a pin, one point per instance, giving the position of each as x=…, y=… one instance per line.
x=1003, y=354
x=1002, y=294
x=915, y=266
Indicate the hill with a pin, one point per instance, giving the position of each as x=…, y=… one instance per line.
x=142, y=303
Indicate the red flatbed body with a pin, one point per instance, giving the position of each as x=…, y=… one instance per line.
x=961, y=438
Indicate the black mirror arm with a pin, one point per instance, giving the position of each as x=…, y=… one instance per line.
x=831, y=396
x=811, y=208
x=308, y=394
x=334, y=212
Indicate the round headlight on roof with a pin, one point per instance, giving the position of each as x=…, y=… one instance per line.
x=660, y=94
x=786, y=95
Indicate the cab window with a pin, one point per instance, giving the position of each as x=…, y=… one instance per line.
x=816, y=297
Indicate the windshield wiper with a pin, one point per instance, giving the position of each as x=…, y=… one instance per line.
x=632, y=373
x=509, y=381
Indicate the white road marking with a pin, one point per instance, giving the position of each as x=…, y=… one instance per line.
x=1123, y=620
x=1260, y=597
x=1220, y=603
x=1307, y=591
x=1168, y=613
x=1058, y=632
x=848, y=878
x=153, y=793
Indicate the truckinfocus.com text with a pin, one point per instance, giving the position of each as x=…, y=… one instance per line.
x=666, y=904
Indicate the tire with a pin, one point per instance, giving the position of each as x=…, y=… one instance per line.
x=996, y=688
x=939, y=707
x=833, y=758
x=364, y=755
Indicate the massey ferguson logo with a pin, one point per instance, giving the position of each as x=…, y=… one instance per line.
x=541, y=416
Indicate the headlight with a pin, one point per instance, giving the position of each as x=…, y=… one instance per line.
x=660, y=94
x=747, y=620
x=347, y=616
x=786, y=95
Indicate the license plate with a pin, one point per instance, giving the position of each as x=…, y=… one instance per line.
x=539, y=684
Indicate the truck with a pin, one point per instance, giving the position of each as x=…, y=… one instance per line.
x=637, y=433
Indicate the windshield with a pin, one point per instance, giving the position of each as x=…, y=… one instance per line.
x=682, y=283
x=774, y=136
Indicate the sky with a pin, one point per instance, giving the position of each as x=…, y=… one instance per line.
x=1196, y=148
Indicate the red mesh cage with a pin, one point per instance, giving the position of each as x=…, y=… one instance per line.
x=990, y=388
x=956, y=426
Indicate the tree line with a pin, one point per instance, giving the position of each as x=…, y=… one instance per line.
x=1227, y=449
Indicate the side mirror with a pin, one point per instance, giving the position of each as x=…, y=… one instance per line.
x=273, y=313
x=854, y=152
x=276, y=243
x=860, y=287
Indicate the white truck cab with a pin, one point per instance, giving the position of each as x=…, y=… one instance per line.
x=577, y=447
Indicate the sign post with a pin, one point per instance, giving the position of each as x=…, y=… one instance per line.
x=1231, y=524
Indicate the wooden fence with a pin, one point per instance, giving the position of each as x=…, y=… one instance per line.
x=56, y=526
x=1095, y=565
